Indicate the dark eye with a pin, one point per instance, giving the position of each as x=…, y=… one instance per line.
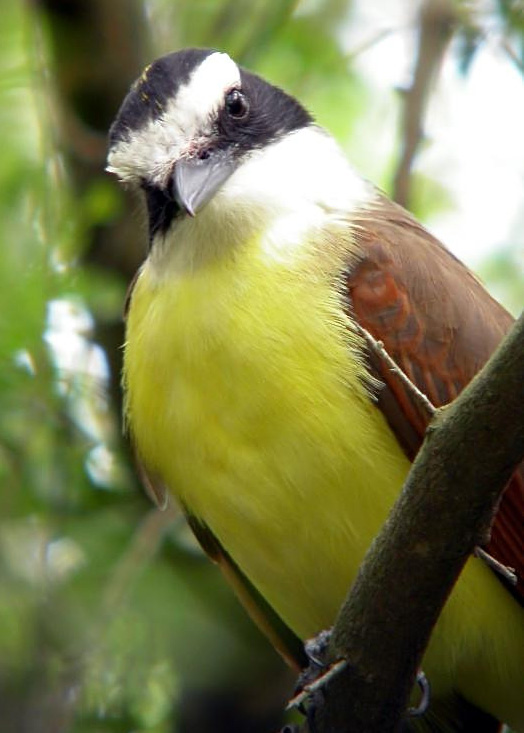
x=237, y=105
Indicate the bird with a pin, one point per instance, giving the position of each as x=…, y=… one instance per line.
x=251, y=395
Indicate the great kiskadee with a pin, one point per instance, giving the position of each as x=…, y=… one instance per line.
x=250, y=393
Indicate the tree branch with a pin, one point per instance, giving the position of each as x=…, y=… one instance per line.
x=427, y=408
x=437, y=18
x=473, y=444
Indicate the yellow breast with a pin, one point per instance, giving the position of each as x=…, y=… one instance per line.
x=246, y=394
x=243, y=394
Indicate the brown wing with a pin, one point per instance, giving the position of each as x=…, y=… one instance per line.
x=287, y=644
x=155, y=489
x=440, y=325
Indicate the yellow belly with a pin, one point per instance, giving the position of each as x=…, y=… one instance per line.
x=245, y=393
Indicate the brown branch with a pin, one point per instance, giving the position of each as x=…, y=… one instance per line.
x=512, y=55
x=436, y=22
x=138, y=555
x=428, y=409
x=368, y=44
x=425, y=405
x=508, y=574
x=413, y=563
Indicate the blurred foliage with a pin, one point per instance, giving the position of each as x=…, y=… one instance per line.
x=90, y=629
x=504, y=271
x=475, y=29
x=108, y=612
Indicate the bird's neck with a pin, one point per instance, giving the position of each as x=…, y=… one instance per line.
x=280, y=196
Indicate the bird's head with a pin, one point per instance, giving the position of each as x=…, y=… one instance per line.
x=190, y=123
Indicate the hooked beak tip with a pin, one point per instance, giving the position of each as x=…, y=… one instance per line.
x=196, y=180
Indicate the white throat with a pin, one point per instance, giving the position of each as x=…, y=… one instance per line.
x=280, y=194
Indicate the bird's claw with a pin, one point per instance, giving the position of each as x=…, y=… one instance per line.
x=425, y=688
x=317, y=648
x=317, y=675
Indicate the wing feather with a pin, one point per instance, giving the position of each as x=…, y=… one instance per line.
x=440, y=326
x=287, y=644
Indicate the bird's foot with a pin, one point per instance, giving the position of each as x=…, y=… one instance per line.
x=425, y=692
x=309, y=691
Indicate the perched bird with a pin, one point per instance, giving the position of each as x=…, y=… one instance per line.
x=250, y=393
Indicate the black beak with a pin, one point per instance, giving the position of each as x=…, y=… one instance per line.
x=196, y=180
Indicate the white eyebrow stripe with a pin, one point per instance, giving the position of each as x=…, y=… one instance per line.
x=151, y=150
x=204, y=92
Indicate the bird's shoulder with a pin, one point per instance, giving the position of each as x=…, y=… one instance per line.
x=439, y=324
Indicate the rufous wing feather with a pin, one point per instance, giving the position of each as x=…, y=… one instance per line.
x=287, y=644
x=440, y=326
